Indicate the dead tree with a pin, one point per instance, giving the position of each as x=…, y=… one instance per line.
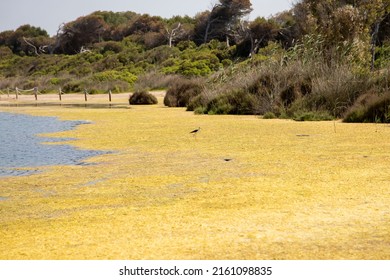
x=172, y=34
x=31, y=45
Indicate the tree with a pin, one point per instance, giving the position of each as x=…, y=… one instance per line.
x=172, y=33
x=217, y=23
x=146, y=30
x=262, y=31
x=251, y=36
x=289, y=31
x=336, y=30
x=347, y=23
x=144, y=24
x=375, y=14
x=73, y=37
x=26, y=39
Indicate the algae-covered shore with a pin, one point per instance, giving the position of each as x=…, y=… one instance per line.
x=242, y=188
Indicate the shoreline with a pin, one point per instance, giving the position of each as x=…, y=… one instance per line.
x=33, y=150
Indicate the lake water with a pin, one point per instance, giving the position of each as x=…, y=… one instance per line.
x=21, y=147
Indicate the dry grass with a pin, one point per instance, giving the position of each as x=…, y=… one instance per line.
x=290, y=191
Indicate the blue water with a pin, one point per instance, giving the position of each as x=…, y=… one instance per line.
x=21, y=147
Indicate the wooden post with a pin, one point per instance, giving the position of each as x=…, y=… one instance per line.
x=8, y=92
x=85, y=95
x=109, y=96
x=17, y=92
x=60, y=94
x=36, y=93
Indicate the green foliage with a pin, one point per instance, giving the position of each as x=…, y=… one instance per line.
x=371, y=108
x=182, y=91
x=308, y=63
x=312, y=116
x=382, y=55
x=113, y=75
x=184, y=45
x=54, y=81
x=235, y=103
x=5, y=53
x=161, y=54
x=191, y=62
x=269, y=116
x=74, y=86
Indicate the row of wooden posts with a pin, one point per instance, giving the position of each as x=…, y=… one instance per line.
x=60, y=93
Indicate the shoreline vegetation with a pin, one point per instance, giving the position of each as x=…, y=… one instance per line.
x=321, y=60
x=289, y=190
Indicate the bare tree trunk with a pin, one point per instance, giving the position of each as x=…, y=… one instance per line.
x=172, y=34
x=210, y=21
x=31, y=45
x=374, y=35
x=374, y=38
x=206, y=34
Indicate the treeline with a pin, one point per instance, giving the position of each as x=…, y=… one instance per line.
x=283, y=66
x=224, y=22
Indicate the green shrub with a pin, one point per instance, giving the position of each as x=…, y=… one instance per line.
x=74, y=86
x=55, y=81
x=227, y=62
x=160, y=54
x=90, y=57
x=108, y=47
x=114, y=75
x=200, y=110
x=234, y=103
x=142, y=98
x=183, y=45
x=382, y=55
x=371, y=109
x=269, y=115
x=181, y=91
x=188, y=68
x=312, y=116
x=193, y=62
x=5, y=53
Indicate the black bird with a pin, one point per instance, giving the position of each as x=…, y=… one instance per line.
x=195, y=131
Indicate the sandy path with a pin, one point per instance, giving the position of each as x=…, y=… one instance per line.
x=72, y=97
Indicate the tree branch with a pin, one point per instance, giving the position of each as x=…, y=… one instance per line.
x=31, y=45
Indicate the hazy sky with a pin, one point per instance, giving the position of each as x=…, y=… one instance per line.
x=49, y=14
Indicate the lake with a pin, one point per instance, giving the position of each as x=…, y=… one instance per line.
x=22, y=150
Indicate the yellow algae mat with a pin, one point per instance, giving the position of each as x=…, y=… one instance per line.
x=241, y=188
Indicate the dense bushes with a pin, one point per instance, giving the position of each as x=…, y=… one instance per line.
x=182, y=91
x=142, y=98
x=113, y=75
x=304, y=64
x=235, y=102
x=370, y=108
x=116, y=66
x=195, y=61
x=294, y=89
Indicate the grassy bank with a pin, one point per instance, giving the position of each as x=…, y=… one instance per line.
x=243, y=188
